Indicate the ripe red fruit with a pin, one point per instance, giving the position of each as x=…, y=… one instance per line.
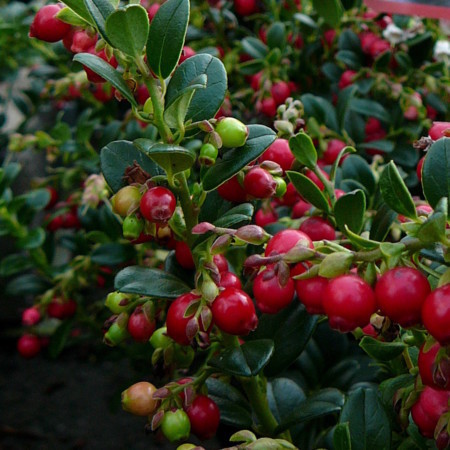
x=59, y=308
x=245, y=7
x=291, y=196
x=270, y=296
x=53, y=197
x=229, y=279
x=234, y=313
x=315, y=179
x=158, y=205
x=221, y=262
x=28, y=345
x=436, y=314
x=428, y=409
x=91, y=75
x=346, y=79
x=183, y=255
x=334, y=147
x=285, y=240
x=400, y=294
x=103, y=92
x=348, y=302
x=438, y=129
x=300, y=209
x=55, y=224
x=263, y=218
x=46, y=26
x=378, y=47
x=280, y=153
x=31, y=316
x=232, y=191
x=280, y=92
x=82, y=41
x=267, y=106
x=318, y=229
x=259, y=183
x=433, y=374
x=70, y=220
x=310, y=291
x=186, y=53
x=367, y=39
x=204, y=416
x=176, y=323
x=140, y=326
x=152, y=10
x=419, y=168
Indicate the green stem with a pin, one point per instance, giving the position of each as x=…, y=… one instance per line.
x=328, y=186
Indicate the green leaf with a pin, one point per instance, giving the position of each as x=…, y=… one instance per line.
x=322, y=110
x=290, y=330
x=330, y=10
x=303, y=149
x=382, y=222
x=308, y=190
x=395, y=193
x=341, y=437
x=351, y=59
x=254, y=47
x=172, y=158
x=117, y=156
x=37, y=199
x=382, y=351
x=59, y=338
x=246, y=360
x=112, y=254
x=151, y=282
x=382, y=145
x=335, y=264
x=238, y=215
x=360, y=241
x=234, y=408
x=29, y=284
x=127, y=29
x=323, y=403
x=106, y=71
x=8, y=174
x=67, y=15
x=166, y=36
x=349, y=210
x=99, y=10
x=13, y=264
x=184, y=86
x=206, y=102
x=276, y=35
x=370, y=108
x=436, y=172
x=433, y=229
x=369, y=425
x=284, y=396
x=79, y=8
x=259, y=138
x=34, y=239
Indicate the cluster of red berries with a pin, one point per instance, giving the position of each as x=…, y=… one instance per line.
x=65, y=214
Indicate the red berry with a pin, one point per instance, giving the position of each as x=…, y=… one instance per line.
x=183, y=255
x=300, y=209
x=280, y=153
x=315, y=179
x=348, y=302
x=204, y=416
x=55, y=224
x=91, y=75
x=334, y=147
x=270, y=296
x=437, y=131
x=176, y=322
x=419, y=168
x=53, y=197
x=82, y=41
x=373, y=126
x=263, y=218
x=245, y=7
x=291, y=196
x=152, y=10
x=221, y=262
x=158, y=205
x=378, y=47
x=28, y=345
x=285, y=240
x=346, y=79
x=310, y=291
x=61, y=309
x=318, y=229
x=255, y=82
x=267, y=106
x=259, y=183
x=428, y=409
x=400, y=294
x=31, y=316
x=280, y=92
x=234, y=312
x=367, y=39
x=434, y=374
x=140, y=326
x=329, y=36
x=103, y=92
x=339, y=193
x=186, y=53
x=229, y=279
x=47, y=27
x=436, y=314
x=142, y=94
x=232, y=191
x=70, y=220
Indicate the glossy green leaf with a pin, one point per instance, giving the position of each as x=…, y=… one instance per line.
x=382, y=351
x=290, y=330
x=14, y=263
x=259, y=138
x=349, y=210
x=246, y=360
x=382, y=222
x=151, y=282
x=34, y=239
x=254, y=47
x=127, y=29
x=28, y=284
x=237, y=216
x=303, y=149
x=284, y=396
x=335, y=264
x=308, y=190
x=382, y=145
x=234, y=408
x=37, y=198
x=117, y=156
x=99, y=11
x=436, y=172
x=330, y=10
x=276, y=35
x=395, y=193
x=166, y=36
x=79, y=7
x=368, y=422
x=341, y=437
x=360, y=241
x=172, y=158
x=321, y=109
x=67, y=15
x=351, y=59
x=434, y=228
x=206, y=102
x=8, y=174
x=370, y=108
x=106, y=71
x=112, y=254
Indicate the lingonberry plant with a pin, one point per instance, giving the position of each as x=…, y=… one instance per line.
x=285, y=282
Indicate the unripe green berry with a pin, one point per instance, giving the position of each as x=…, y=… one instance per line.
x=232, y=132
x=138, y=399
x=160, y=339
x=117, y=302
x=126, y=200
x=117, y=332
x=208, y=154
x=132, y=227
x=281, y=188
x=176, y=425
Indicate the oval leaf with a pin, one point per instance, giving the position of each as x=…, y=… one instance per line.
x=308, y=190
x=349, y=210
x=395, y=193
x=330, y=10
x=79, y=8
x=166, y=36
x=303, y=149
x=356, y=168
x=151, y=282
x=259, y=138
x=106, y=71
x=99, y=11
x=127, y=29
x=436, y=172
x=382, y=351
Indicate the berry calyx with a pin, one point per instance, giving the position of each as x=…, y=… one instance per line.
x=158, y=205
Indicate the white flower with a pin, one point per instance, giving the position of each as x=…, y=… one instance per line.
x=394, y=34
x=442, y=50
